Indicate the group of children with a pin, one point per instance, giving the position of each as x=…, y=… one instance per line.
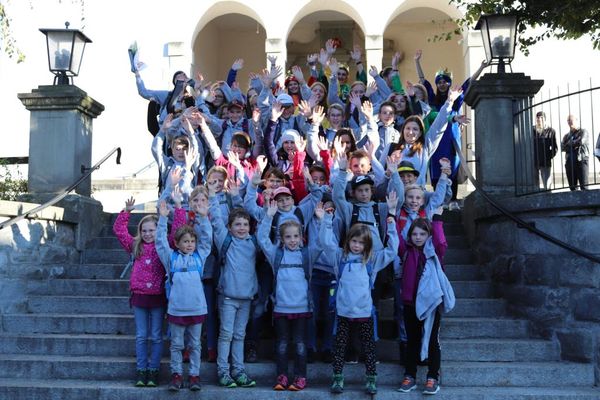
x=278, y=203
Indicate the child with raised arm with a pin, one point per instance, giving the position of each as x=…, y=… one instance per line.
x=147, y=292
x=355, y=267
x=236, y=287
x=291, y=264
x=187, y=305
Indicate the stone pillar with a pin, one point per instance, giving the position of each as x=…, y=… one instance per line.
x=60, y=138
x=493, y=97
x=374, y=52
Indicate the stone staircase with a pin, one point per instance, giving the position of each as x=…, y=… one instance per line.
x=76, y=341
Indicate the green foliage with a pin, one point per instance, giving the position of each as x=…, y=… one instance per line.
x=566, y=19
x=7, y=41
x=11, y=185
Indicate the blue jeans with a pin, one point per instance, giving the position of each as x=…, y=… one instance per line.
x=399, y=310
x=148, y=328
x=234, y=315
x=286, y=331
x=210, y=326
x=192, y=335
x=320, y=284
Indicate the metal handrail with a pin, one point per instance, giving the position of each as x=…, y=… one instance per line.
x=517, y=220
x=65, y=192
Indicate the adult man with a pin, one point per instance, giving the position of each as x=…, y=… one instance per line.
x=575, y=144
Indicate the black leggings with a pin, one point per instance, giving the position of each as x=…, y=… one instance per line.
x=294, y=329
x=342, y=336
x=414, y=332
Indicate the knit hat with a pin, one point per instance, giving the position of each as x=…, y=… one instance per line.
x=361, y=180
x=407, y=166
x=285, y=100
x=290, y=135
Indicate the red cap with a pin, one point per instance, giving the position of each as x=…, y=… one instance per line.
x=281, y=190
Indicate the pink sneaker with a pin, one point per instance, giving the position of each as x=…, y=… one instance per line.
x=299, y=384
x=282, y=383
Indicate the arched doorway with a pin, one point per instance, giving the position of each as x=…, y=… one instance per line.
x=415, y=29
x=226, y=38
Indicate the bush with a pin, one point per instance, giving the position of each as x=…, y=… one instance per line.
x=11, y=184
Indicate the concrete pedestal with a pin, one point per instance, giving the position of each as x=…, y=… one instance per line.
x=60, y=137
x=494, y=98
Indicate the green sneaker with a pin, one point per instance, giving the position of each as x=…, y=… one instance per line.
x=337, y=385
x=141, y=378
x=371, y=384
x=226, y=381
x=152, y=380
x=244, y=381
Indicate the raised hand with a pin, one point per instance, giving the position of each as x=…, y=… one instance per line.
x=256, y=179
x=305, y=108
x=319, y=210
x=323, y=57
x=373, y=71
x=272, y=209
x=392, y=200
x=190, y=156
x=233, y=187
x=355, y=100
x=342, y=159
x=370, y=148
x=272, y=59
x=454, y=93
x=212, y=187
x=418, y=55
x=307, y=177
x=163, y=210
x=130, y=204
x=237, y=64
x=297, y=71
x=322, y=143
x=371, y=88
x=462, y=119
x=410, y=88
x=392, y=164
x=338, y=146
x=333, y=67
x=200, y=209
x=356, y=53
x=256, y=115
x=275, y=73
x=318, y=115
x=301, y=145
x=262, y=163
x=330, y=47
x=177, y=196
x=175, y=175
x=276, y=111
x=445, y=166
x=234, y=159
x=367, y=109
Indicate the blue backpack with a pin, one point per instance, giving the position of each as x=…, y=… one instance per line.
x=222, y=254
x=173, y=271
x=305, y=266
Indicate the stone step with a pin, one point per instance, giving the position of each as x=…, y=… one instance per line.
x=120, y=287
x=455, y=374
x=124, y=345
x=114, y=256
x=111, y=242
x=59, y=389
x=452, y=327
x=120, y=305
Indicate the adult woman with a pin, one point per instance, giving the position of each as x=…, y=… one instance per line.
x=544, y=148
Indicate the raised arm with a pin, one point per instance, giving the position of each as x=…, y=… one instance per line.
x=263, y=233
x=250, y=199
x=120, y=226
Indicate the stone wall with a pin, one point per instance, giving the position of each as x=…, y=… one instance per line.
x=557, y=290
x=34, y=250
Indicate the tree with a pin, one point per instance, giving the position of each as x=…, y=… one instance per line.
x=566, y=19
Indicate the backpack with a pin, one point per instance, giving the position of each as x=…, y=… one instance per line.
x=376, y=224
x=221, y=256
x=403, y=219
x=275, y=223
x=224, y=127
x=173, y=271
x=305, y=267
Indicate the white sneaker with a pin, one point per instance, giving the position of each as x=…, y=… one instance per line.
x=453, y=206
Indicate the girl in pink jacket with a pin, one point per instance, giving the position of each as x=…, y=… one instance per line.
x=147, y=292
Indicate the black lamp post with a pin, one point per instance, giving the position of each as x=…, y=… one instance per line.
x=499, y=34
x=65, y=52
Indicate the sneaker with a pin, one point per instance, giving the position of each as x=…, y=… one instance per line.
x=371, y=384
x=212, y=355
x=453, y=206
x=176, y=382
x=299, y=384
x=194, y=383
x=244, y=381
x=431, y=386
x=250, y=356
x=282, y=383
x=327, y=357
x=227, y=381
x=186, y=355
x=408, y=383
x=337, y=386
x=141, y=378
x=152, y=378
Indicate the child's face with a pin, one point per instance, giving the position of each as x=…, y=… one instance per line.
x=239, y=150
x=442, y=86
x=187, y=244
x=284, y=202
x=342, y=75
x=199, y=200
x=396, y=154
x=148, y=231
x=291, y=238
x=273, y=182
x=357, y=245
x=358, y=90
x=419, y=236
x=239, y=228
x=411, y=132
x=293, y=87
x=386, y=114
x=335, y=117
x=289, y=146
x=218, y=180
x=408, y=178
x=288, y=111
x=179, y=152
x=235, y=114
x=318, y=178
x=363, y=193
x=318, y=92
x=346, y=142
x=414, y=199
x=400, y=103
x=360, y=166
x=219, y=98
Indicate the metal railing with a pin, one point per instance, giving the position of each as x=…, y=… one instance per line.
x=86, y=172
x=540, y=161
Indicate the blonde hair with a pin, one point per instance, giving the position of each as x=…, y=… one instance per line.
x=217, y=169
x=362, y=232
x=199, y=190
x=289, y=224
x=137, y=240
x=408, y=188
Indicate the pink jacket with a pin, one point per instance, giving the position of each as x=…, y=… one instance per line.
x=148, y=273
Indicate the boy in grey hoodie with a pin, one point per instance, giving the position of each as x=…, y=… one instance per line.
x=236, y=287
